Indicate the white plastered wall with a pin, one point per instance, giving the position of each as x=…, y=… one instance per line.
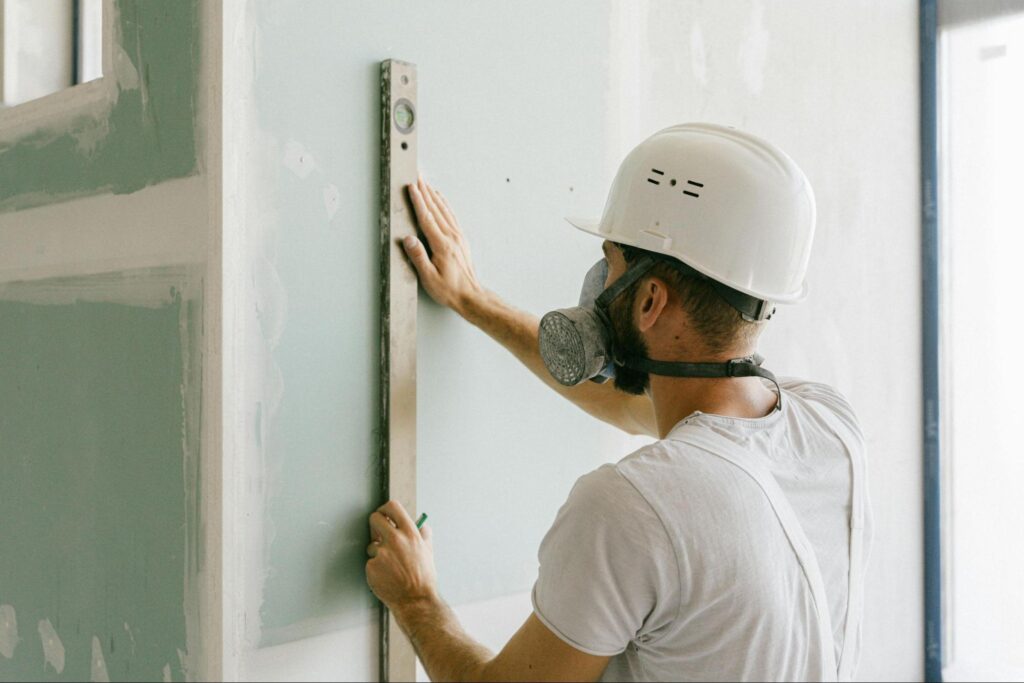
x=833, y=83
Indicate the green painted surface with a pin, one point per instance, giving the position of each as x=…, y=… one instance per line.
x=147, y=136
x=93, y=507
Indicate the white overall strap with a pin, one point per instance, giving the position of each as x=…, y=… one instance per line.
x=731, y=452
x=855, y=595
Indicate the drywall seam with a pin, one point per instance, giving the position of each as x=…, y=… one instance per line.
x=255, y=297
x=210, y=587
x=190, y=328
x=145, y=287
x=163, y=224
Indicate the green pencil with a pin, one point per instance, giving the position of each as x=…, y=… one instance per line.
x=421, y=520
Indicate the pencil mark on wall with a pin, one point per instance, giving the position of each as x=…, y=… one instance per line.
x=53, y=648
x=8, y=631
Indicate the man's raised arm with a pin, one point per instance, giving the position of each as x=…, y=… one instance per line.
x=447, y=276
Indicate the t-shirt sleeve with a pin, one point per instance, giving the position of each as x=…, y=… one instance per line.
x=829, y=398
x=603, y=566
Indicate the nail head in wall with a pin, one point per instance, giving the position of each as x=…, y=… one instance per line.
x=298, y=160
x=332, y=199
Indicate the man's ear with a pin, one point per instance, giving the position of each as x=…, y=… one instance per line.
x=651, y=301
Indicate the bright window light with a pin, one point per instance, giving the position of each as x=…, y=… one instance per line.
x=48, y=45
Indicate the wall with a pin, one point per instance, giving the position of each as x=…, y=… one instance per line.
x=109, y=310
x=525, y=111
x=981, y=219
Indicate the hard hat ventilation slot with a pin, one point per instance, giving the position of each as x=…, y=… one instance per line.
x=655, y=181
x=692, y=194
x=694, y=182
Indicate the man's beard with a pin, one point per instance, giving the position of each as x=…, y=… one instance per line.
x=629, y=343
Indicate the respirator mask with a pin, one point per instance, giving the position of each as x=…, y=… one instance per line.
x=577, y=344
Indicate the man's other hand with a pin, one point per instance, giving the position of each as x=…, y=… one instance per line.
x=400, y=570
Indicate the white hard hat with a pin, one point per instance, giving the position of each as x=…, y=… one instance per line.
x=728, y=204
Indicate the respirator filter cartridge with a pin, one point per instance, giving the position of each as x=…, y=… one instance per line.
x=574, y=344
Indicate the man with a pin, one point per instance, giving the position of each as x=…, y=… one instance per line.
x=732, y=548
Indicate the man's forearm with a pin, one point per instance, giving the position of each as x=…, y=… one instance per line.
x=446, y=650
x=519, y=332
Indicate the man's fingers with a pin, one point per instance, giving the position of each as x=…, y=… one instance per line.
x=446, y=210
x=381, y=526
x=417, y=253
x=447, y=223
x=373, y=549
x=396, y=511
x=428, y=223
x=426, y=532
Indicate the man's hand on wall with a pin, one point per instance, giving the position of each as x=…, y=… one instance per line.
x=447, y=272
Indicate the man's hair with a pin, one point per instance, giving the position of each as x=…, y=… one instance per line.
x=720, y=326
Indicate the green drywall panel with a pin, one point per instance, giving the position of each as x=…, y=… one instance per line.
x=515, y=148
x=147, y=136
x=93, y=471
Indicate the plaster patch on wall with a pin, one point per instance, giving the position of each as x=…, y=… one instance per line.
x=167, y=673
x=298, y=160
x=131, y=636
x=332, y=199
x=99, y=666
x=271, y=301
x=698, y=54
x=145, y=287
x=53, y=647
x=8, y=631
x=125, y=72
x=753, y=53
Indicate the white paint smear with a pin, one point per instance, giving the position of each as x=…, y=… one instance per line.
x=167, y=673
x=8, y=631
x=298, y=160
x=125, y=72
x=131, y=635
x=99, y=667
x=698, y=55
x=331, y=200
x=53, y=648
x=753, y=53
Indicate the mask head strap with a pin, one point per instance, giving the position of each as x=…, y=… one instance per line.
x=636, y=270
x=750, y=366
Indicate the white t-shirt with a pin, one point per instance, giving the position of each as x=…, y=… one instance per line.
x=673, y=563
